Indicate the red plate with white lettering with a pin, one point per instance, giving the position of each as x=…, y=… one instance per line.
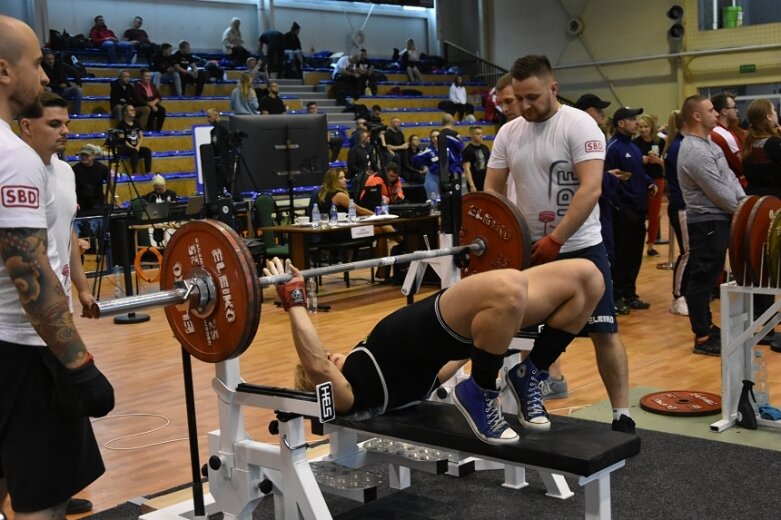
x=737, y=234
x=225, y=329
x=498, y=222
x=687, y=403
x=755, y=243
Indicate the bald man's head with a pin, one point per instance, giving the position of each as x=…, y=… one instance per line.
x=21, y=75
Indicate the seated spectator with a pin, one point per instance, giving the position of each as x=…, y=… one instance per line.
x=270, y=45
x=187, y=66
x=159, y=192
x=58, y=81
x=104, y=38
x=361, y=161
x=233, y=43
x=244, y=101
x=375, y=117
x=410, y=59
x=123, y=93
x=258, y=69
x=334, y=191
x=163, y=68
x=458, y=101
x=347, y=80
x=131, y=137
x=91, y=175
x=272, y=103
x=411, y=172
x=360, y=124
x=291, y=44
x=335, y=138
x=367, y=76
x=393, y=141
x=140, y=40
x=148, y=93
x=389, y=182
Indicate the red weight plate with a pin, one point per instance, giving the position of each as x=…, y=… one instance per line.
x=755, y=242
x=737, y=232
x=229, y=327
x=774, y=251
x=682, y=403
x=496, y=221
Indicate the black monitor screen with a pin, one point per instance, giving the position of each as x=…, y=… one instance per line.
x=266, y=155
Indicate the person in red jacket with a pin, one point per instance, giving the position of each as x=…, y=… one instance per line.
x=104, y=38
x=148, y=92
x=723, y=135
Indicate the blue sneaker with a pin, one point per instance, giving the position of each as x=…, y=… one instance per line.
x=526, y=384
x=481, y=410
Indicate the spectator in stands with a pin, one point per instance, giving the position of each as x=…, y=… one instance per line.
x=233, y=43
x=91, y=175
x=58, y=81
x=163, y=66
x=410, y=59
x=159, y=192
x=140, y=40
x=393, y=141
x=148, y=92
x=725, y=137
x=361, y=161
x=375, y=117
x=104, y=38
x=131, y=139
x=458, y=101
x=270, y=45
x=360, y=124
x=244, y=101
x=412, y=173
x=367, y=76
x=258, y=69
x=389, y=180
x=335, y=138
x=123, y=93
x=347, y=79
x=475, y=160
x=292, y=47
x=186, y=65
x=272, y=103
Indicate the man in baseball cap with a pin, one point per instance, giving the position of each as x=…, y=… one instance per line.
x=593, y=106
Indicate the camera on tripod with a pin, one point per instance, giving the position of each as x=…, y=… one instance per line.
x=235, y=138
x=114, y=137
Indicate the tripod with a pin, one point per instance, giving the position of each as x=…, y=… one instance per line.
x=120, y=255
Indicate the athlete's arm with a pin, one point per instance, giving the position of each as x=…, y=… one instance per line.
x=23, y=251
x=79, y=279
x=496, y=180
x=589, y=173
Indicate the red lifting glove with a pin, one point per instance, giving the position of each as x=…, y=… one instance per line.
x=545, y=250
x=292, y=294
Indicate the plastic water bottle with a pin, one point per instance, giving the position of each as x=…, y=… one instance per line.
x=351, y=212
x=315, y=215
x=759, y=375
x=334, y=216
x=311, y=295
x=119, y=281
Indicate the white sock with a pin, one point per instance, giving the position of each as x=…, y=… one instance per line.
x=618, y=412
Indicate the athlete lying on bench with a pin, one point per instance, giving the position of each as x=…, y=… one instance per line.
x=413, y=350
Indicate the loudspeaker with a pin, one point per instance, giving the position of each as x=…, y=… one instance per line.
x=675, y=13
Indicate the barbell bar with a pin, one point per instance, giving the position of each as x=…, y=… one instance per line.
x=196, y=287
x=211, y=291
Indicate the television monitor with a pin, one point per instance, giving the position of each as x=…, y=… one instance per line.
x=268, y=160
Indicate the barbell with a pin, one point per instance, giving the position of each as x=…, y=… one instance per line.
x=211, y=291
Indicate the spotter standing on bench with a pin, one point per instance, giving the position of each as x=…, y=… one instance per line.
x=413, y=350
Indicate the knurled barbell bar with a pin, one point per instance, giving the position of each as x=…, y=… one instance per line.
x=211, y=291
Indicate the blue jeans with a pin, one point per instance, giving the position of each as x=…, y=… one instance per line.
x=126, y=48
x=707, y=248
x=74, y=95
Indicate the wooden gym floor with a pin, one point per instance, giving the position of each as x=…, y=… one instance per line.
x=144, y=438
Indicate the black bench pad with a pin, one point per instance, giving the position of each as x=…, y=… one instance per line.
x=571, y=446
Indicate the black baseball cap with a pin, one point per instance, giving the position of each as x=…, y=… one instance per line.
x=625, y=113
x=590, y=100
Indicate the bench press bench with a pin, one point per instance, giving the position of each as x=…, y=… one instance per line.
x=588, y=453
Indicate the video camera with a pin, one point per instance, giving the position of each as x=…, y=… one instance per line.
x=114, y=137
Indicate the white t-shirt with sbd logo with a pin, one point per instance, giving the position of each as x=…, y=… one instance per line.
x=25, y=198
x=541, y=158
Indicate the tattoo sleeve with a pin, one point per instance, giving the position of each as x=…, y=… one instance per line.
x=23, y=252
